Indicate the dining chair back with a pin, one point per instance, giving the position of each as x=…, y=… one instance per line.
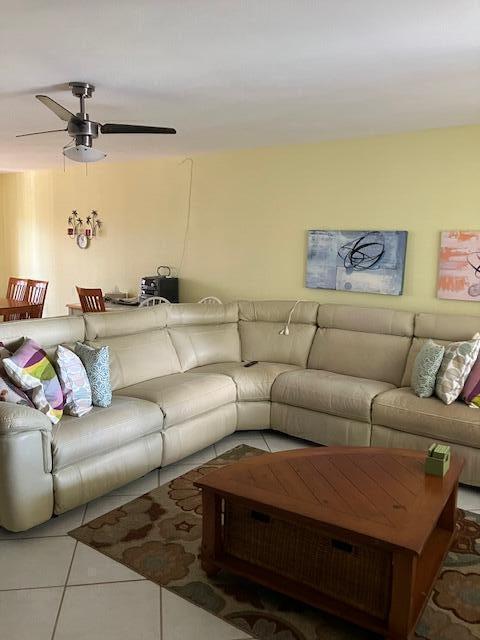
x=91, y=300
x=152, y=301
x=210, y=300
x=36, y=293
x=17, y=289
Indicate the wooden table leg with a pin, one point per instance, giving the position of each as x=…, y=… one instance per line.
x=403, y=583
x=211, y=504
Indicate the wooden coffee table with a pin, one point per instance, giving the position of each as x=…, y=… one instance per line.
x=358, y=532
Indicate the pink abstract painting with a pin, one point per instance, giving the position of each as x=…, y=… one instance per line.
x=459, y=266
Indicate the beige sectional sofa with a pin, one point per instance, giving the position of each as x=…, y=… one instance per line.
x=341, y=377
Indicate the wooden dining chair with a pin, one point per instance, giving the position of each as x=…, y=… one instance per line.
x=16, y=290
x=36, y=293
x=92, y=300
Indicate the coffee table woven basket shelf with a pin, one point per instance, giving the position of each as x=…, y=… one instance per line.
x=360, y=533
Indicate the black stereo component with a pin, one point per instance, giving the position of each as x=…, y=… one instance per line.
x=161, y=286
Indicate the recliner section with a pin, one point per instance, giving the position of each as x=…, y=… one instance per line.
x=182, y=396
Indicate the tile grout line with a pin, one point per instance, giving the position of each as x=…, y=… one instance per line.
x=57, y=617
x=265, y=440
x=60, y=605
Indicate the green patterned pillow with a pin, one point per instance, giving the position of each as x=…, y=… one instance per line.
x=457, y=363
x=425, y=369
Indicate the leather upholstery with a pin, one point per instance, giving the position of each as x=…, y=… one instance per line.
x=18, y=417
x=446, y=327
x=386, y=437
x=402, y=410
x=139, y=357
x=277, y=311
x=103, y=429
x=253, y=383
x=182, y=396
x=48, y=332
x=262, y=341
x=96, y=475
x=26, y=487
x=328, y=392
x=205, y=344
x=441, y=328
x=253, y=415
x=374, y=356
x=160, y=415
x=319, y=427
x=194, y=313
x=188, y=437
x=121, y=323
x=366, y=319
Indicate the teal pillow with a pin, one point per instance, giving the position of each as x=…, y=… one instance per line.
x=425, y=369
x=97, y=366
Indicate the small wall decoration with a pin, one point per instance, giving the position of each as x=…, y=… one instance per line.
x=81, y=232
x=75, y=224
x=459, y=266
x=363, y=261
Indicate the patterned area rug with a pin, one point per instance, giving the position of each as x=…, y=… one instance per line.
x=158, y=535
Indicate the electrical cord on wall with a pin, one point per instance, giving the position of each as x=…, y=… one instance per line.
x=187, y=221
x=285, y=331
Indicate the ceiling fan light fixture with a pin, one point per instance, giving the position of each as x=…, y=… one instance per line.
x=82, y=153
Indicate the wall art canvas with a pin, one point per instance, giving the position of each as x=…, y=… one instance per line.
x=364, y=261
x=459, y=266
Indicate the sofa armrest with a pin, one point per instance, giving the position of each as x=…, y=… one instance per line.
x=15, y=418
x=26, y=482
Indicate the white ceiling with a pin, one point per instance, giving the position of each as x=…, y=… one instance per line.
x=236, y=73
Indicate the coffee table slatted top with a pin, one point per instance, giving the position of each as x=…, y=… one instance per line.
x=380, y=494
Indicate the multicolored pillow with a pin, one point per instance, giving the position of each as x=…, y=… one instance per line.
x=31, y=370
x=97, y=365
x=471, y=390
x=8, y=391
x=425, y=369
x=77, y=393
x=456, y=365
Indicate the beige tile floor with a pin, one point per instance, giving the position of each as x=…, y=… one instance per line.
x=54, y=588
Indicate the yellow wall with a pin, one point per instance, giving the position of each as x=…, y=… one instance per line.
x=249, y=216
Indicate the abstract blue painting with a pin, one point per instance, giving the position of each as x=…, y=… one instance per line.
x=365, y=261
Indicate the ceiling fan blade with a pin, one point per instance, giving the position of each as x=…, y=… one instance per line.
x=133, y=128
x=58, y=110
x=38, y=133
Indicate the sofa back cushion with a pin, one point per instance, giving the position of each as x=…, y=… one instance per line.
x=47, y=332
x=198, y=345
x=123, y=323
x=443, y=329
x=260, y=323
x=193, y=313
x=362, y=342
x=204, y=333
x=139, y=357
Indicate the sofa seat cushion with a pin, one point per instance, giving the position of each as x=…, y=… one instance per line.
x=253, y=383
x=103, y=429
x=326, y=392
x=402, y=410
x=182, y=396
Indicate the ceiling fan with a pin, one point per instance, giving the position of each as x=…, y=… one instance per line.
x=83, y=130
